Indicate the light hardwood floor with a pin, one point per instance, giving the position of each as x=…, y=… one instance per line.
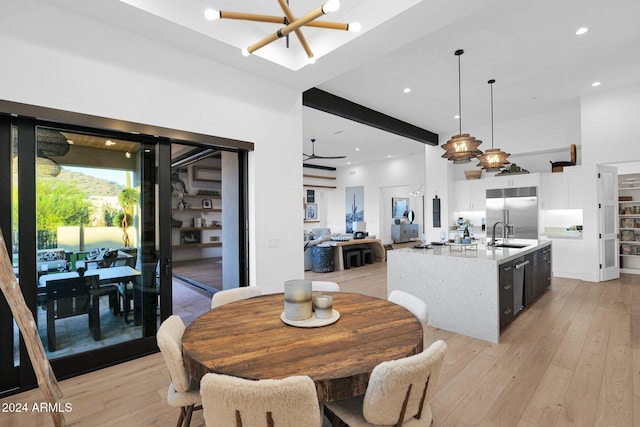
x=571, y=359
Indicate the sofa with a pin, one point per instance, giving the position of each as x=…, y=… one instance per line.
x=50, y=258
x=107, y=257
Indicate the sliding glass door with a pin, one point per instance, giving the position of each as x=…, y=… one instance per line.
x=90, y=224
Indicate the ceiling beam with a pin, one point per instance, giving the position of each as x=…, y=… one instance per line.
x=326, y=168
x=332, y=104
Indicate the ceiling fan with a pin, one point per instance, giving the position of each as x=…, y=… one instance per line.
x=313, y=155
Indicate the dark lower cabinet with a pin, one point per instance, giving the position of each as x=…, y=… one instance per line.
x=537, y=279
x=505, y=273
x=538, y=274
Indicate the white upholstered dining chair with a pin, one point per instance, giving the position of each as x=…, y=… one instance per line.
x=398, y=393
x=230, y=295
x=232, y=401
x=184, y=392
x=320, y=286
x=412, y=303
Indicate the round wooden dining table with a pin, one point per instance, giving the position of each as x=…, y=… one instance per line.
x=247, y=339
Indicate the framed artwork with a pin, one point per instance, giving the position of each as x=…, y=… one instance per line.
x=311, y=196
x=354, y=207
x=207, y=204
x=399, y=207
x=311, y=211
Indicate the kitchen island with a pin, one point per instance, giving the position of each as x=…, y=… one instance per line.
x=475, y=290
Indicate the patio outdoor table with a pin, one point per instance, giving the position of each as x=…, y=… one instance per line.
x=247, y=339
x=106, y=276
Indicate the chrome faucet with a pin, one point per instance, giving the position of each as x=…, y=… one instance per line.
x=507, y=228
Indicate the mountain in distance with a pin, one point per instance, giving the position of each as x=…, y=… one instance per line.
x=90, y=184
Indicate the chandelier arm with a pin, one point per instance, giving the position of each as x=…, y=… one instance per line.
x=291, y=18
x=314, y=14
x=242, y=16
x=329, y=25
x=252, y=17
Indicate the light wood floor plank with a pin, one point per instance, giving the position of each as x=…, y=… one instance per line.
x=616, y=399
x=545, y=405
x=513, y=401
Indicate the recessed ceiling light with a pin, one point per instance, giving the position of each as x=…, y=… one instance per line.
x=348, y=163
x=580, y=31
x=357, y=149
x=407, y=89
x=70, y=141
x=456, y=117
x=595, y=84
x=389, y=156
x=109, y=143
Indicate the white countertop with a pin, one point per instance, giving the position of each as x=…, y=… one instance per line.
x=483, y=251
x=561, y=233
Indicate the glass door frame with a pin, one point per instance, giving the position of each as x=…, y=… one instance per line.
x=9, y=378
x=22, y=377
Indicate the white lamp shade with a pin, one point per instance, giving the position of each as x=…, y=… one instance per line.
x=359, y=226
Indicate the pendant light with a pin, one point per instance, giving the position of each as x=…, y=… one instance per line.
x=461, y=148
x=493, y=159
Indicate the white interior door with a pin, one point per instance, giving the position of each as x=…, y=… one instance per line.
x=608, y=222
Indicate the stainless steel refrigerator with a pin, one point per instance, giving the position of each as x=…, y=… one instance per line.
x=518, y=207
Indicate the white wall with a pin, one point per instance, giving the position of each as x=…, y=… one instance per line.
x=60, y=60
x=406, y=174
x=609, y=126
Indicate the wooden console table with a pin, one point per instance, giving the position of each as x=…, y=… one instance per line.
x=379, y=252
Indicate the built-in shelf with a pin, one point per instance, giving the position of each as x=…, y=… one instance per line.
x=319, y=186
x=197, y=228
x=629, y=246
x=197, y=209
x=200, y=196
x=198, y=245
x=318, y=176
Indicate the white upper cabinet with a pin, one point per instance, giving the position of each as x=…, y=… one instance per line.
x=561, y=190
x=513, y=180
x=470, y=195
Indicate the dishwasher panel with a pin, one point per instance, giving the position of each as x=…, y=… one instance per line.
x=518, y=284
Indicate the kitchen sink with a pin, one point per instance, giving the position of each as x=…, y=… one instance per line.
x=510, y=245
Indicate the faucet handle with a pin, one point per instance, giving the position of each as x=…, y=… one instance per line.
x=510, y=230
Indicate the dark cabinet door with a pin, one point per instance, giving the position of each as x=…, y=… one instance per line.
x=531, y=279
x=506, y=294
x=544, y=271
x=538, y=275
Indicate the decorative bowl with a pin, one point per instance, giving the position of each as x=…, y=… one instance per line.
x=473, y=173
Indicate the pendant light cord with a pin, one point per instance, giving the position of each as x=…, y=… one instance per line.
x=458, y=53
x=491, y=82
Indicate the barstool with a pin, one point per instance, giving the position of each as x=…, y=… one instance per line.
x=367, y=256
x=352, y=258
